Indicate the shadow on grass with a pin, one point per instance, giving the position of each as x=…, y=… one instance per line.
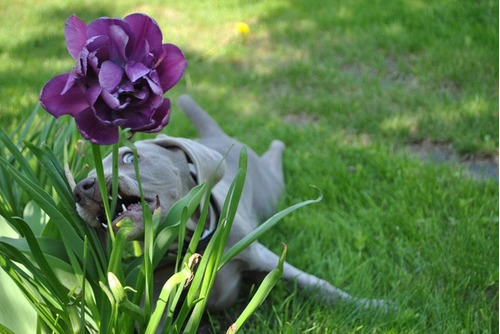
x=362, y=67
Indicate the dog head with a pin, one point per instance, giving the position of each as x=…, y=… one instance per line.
x=169, y=167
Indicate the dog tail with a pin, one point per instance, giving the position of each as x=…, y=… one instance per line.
x=205, y=124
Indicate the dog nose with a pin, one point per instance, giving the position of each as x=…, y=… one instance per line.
x=85, y=188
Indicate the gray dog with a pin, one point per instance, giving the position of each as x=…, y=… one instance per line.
x=170, y=167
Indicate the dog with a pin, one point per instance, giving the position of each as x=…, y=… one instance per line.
x=171, y=166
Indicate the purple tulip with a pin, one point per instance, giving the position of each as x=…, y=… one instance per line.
x=122, y=71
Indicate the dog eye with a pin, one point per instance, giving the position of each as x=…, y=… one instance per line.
x=128, y=158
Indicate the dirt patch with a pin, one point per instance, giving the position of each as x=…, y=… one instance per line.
x=301, y=118
x=479, y=166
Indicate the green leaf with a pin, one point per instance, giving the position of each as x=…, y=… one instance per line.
x=24, y=281
x=5, y=330
x=72, y=241
x=56, y=288
x=16, y=312
x=166, y=231
x=17, y=155
x=261, y=230
x=173, y=281
x=209, y=264
x=262, y=292
x=115, y=261
x=48, y=246
x=35, y=217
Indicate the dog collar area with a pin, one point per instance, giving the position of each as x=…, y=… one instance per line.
x=210, y=226
x=212, y=217
x=211, y=223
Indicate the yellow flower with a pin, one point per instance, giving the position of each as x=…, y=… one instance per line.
x=242, y=28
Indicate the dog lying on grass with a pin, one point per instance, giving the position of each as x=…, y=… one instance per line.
x=170, y=167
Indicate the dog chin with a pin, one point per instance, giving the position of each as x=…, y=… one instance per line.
x=87, y=216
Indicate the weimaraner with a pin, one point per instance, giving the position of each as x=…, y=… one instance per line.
x=170, y=167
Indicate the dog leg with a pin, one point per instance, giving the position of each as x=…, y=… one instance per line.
x=204, y=124
x=225, y=290
x=260, y=258
x=272, y=159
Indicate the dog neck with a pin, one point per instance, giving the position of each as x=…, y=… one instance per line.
x=210, y=225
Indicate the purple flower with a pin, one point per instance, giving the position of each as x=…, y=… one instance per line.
x=122, y=71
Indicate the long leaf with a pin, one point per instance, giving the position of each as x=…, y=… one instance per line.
x=115, y=261
x=5, y=330
x=166, y=233
x=17, y=155
x=48, y=246
x=41, y=261
x=71, y=240
x=40, y=308
x=262, y=292
x=261, y=230
x=210, y=263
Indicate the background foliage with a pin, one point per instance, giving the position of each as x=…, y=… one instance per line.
x=348, y=86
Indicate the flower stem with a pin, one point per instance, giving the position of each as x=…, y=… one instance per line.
x=114, y=182
x=147, y=266
x=96, y=150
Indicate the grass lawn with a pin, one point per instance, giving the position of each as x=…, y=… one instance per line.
x=348, y=86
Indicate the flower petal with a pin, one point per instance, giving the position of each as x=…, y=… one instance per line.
x=157, y=120
x=135, y=70
x=95, y=52
x=93, y=93
x=110, y=100
x=118, y=32
x=75, y=35
x=118, y=45
x=155, y=88
x=160, y=117
x=106, y=115
x=170, y=66
x=70, y=82
x=147, y=35
x=110, y=75
x=94, y=130
x=72, y=102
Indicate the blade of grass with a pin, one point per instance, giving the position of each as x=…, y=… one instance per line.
x=26, y=125
x=262, y=292
x=261, y=230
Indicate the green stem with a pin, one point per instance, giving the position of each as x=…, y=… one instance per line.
x=96, y=150
x=84, y=274
x=172, y=282
x=147, y=268
x=262, y=292
x=114, y=182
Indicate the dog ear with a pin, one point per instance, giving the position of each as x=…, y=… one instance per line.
x=205, y=160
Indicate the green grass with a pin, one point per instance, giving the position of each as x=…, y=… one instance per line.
x=346, y=85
